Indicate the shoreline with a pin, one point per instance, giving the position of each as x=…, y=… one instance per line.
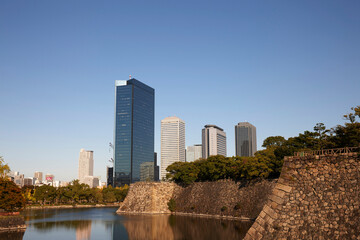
x=20, y=228
x=71, y=206
x=202, y=215
x=12, y=223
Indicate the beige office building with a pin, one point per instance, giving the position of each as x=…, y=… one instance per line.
x=172, y=143
x=39, y=176
x=213, y=141
x=86, y=165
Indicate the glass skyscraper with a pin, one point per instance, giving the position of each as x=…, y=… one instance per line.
x=134, y=130
x=245, y=139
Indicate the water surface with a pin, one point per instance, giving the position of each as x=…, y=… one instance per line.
x=104, y=223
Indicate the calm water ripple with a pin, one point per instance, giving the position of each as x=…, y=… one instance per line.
x=104, y=223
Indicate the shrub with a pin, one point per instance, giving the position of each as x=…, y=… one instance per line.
x=237, y=206
x=224, y=208
x=172, y=205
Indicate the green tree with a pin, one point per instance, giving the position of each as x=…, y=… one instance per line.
x=347, y=136
x=45, y=194
x=273, y=141
x=352, y=116
x=108, y=194
x=182, y=172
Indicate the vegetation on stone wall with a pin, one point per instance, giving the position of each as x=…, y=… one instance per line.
x=172, y=205
x=267, y=163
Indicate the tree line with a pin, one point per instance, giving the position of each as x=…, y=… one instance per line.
x=14, y=198
x=267, y=163
x=74, y=193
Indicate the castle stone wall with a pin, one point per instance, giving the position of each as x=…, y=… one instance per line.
x=316, y=197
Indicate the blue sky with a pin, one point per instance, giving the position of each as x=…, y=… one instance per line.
x=281, y=65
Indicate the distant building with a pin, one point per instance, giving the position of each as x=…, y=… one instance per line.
x=213, y=141
x=193, y=153
x=156, y=169
x=172, y=143
x=86, y=164
x=19, y=179
x=39, y=176
x=245, y=139
x=134, y=130
x=92, y=181
x=109, y=176
x=28, y=182
x=56, y=183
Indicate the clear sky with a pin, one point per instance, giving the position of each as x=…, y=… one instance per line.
x=281, y=65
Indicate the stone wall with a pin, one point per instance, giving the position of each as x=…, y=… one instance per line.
x=148, y=197
x=316, y=197
x=8, y=223
x=223, y=198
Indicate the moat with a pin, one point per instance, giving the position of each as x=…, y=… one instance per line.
x=104, y=223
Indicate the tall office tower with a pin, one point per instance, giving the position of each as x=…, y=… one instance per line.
x=245, y=139
x=172, y=143
x=193, y=153
x=86, y=164
x=39, y=176
x=213, y=141
x=134, y=129
x=109, y=176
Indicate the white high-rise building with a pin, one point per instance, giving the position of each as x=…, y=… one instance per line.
x=213, y=141
x=86, y=165
x=193, y=153
x=172, y=143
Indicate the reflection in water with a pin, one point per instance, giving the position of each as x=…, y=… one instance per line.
x=83, y=231
x=184, y=227
x=17, y=235
x=104, y=223
x=149, y=227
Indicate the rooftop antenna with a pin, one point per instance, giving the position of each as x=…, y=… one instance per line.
x=129, y=76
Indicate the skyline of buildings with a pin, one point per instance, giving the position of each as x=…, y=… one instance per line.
x=172, y=143
x=134, y=129
x=134, y=156
x=245, y=139
x=213, y=141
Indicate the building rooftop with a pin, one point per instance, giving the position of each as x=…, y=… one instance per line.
x=213, y=126
x=171, y=119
